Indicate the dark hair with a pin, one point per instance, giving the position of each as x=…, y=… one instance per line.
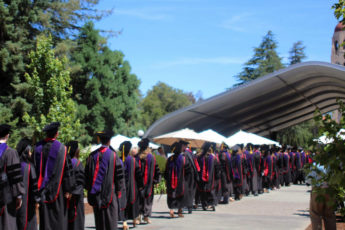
x=51, y=133
x=23, y=149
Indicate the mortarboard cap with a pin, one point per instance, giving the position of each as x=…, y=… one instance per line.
x=51, y=127
x=105, y=134
x=182, y=142
x=143, y=144
x=125, y=146
x=4, y=129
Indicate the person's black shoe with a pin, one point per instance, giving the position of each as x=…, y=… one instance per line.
x=190, y=210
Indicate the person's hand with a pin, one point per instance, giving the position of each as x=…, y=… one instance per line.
x=18, y=203
x=68, y=195
x=37, y=205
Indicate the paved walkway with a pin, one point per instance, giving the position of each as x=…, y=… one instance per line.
x=286, y=208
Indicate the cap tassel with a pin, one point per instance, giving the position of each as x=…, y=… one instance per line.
x=123, y=153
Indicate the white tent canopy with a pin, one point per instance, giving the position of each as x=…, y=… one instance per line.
x=242, y=137
x=184, y=134
x=212, y=136
x=115, y=142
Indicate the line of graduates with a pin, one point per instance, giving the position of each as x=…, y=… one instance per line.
x=217, y=175
x=49, y=177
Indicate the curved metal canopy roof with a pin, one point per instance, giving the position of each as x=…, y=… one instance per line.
x=265, y=105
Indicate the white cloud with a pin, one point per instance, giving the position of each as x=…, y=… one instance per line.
x=239, y=23
x=148, y=13
x=199, y=61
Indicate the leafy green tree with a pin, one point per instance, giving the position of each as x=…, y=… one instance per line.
x=21, y=21
x=50, y=91
x=297, y=53
x=300, y=135
x=331, y=156
x=264, y=61
x=163, y=99
x=104, y=87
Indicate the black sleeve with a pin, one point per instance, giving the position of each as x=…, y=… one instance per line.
x=138, y=177
x=79, y=178
x=33, y=184
x=69, y=181
x=88, y=173
x=157, y=177
x=119, y=175
x=15, y=177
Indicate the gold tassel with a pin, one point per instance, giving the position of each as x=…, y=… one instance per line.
x=123, y=153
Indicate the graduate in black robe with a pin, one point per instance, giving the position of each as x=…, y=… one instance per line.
x=55, y=181
x=268, y=168
x=208, y=177
x=191, y=176
x=104, y=182
x=299, y=167
x=75, y=205
x=134, y=184
x=26, y=215
x=236, y=163
x=11, y=181
x=258, y=167
x=280, y=164
x=151, y=176
x=286, y=168
x=226, y=174
x=252, y=175
x=177, y=167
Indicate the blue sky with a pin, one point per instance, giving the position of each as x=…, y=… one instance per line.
x=199, y=45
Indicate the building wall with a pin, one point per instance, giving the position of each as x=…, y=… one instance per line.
x=338, y=51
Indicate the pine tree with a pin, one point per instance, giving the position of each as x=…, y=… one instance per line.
x=50, y=90
x=297, y=53
x=264, y=61
x=104, y=87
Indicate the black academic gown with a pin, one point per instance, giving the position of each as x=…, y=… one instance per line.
x=11, y=186
x=54, y=172
x=151, y=176
x=286, y=169
x=191, y=177
x=245, y=186
x=134, y=183
x=259, y=168
x=76, y=215
x=280, y=163
x=268, y=171
x=104, y=181
x=26, y=215
x=252, y=175
x=226, y=175
x=208, y=177
x=177, y=167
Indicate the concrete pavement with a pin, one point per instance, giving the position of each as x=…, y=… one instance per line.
x=282, y=209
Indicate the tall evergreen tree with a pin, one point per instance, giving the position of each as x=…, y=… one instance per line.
x=50, y=90
x=297, y=53
x=264, y=61
x=163, y=99
x=104, y=87
x=21, y=21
